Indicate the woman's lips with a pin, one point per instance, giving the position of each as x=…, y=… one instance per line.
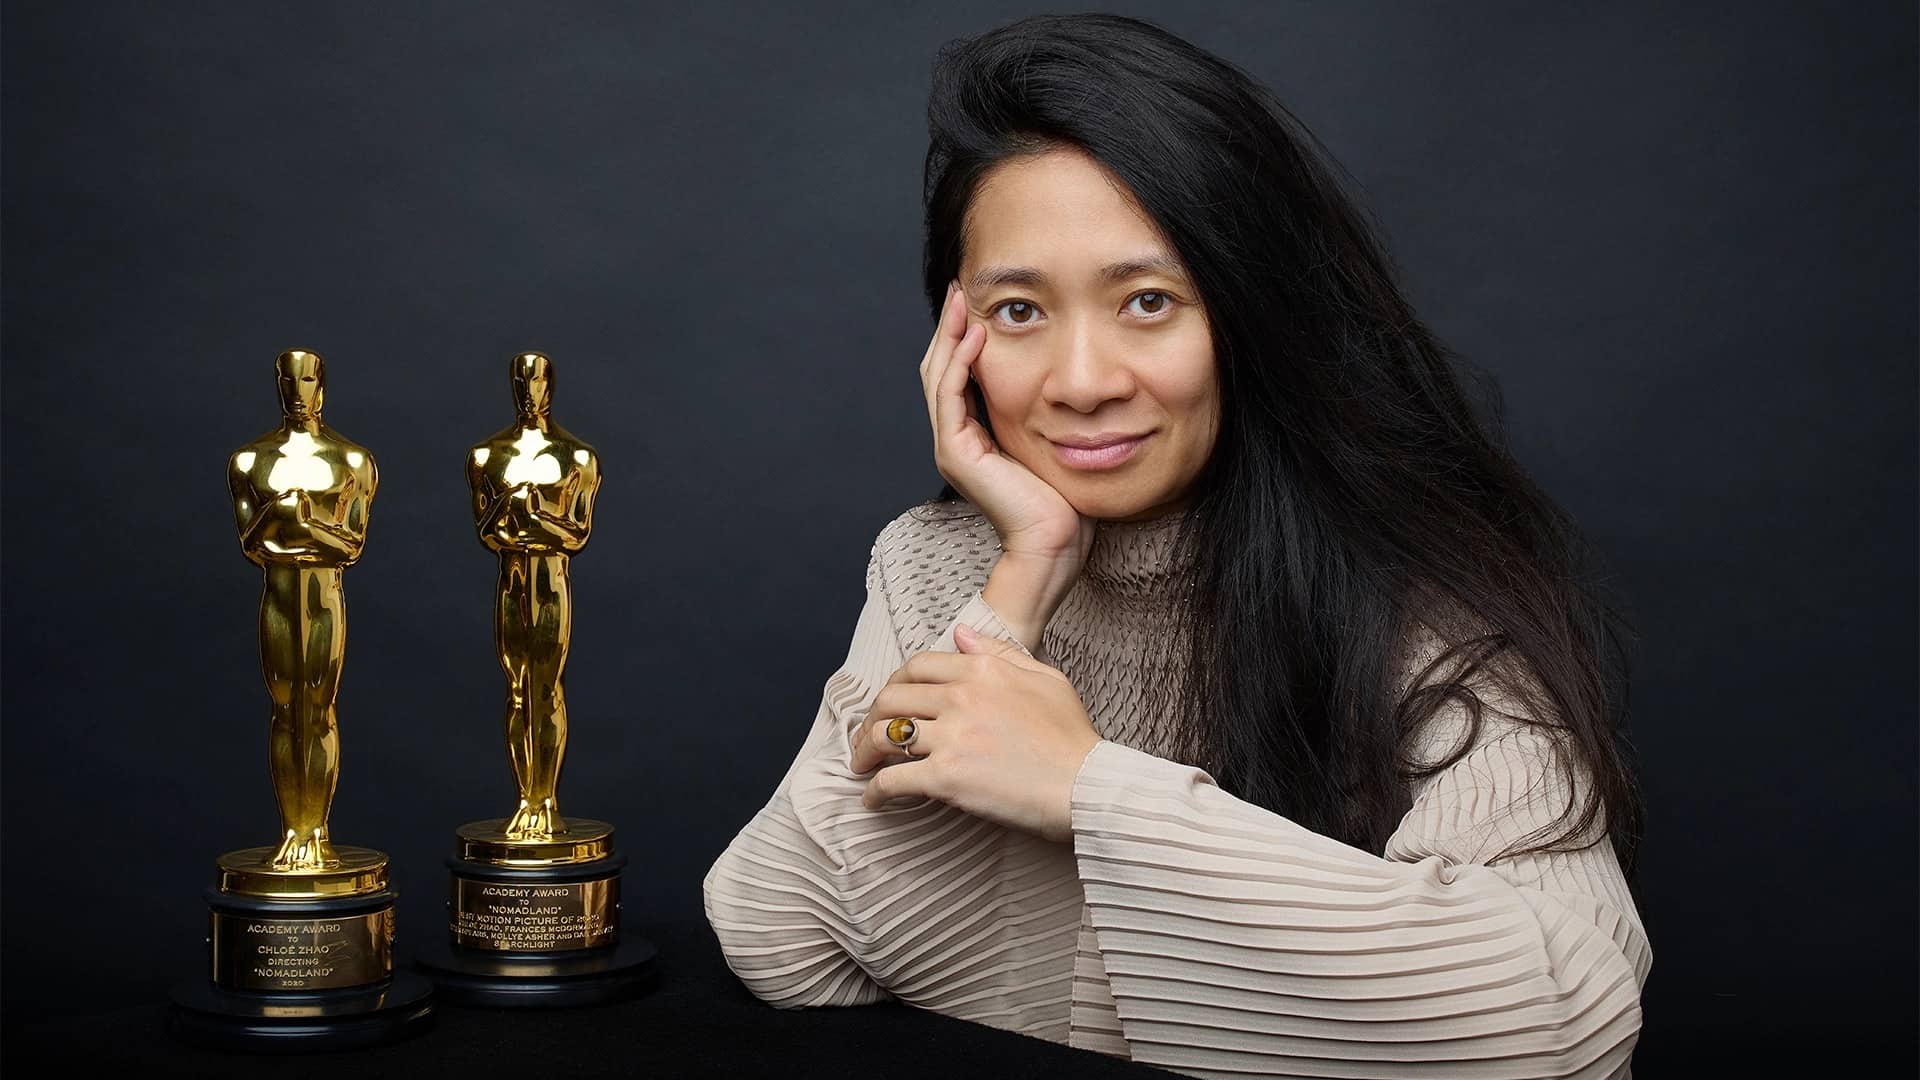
x=1108, y=454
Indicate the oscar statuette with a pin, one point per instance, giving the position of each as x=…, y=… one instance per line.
x=301, y=931
x=534, y=908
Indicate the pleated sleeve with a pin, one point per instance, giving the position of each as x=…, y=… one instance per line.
x=820, y=901
x=1238, y=943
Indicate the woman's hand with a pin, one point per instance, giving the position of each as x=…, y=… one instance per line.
x=1043, y=539
x=999, y=735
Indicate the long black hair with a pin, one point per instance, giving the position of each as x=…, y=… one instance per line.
x=1355, y=489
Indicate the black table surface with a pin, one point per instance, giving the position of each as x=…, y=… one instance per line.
x=698, y=1021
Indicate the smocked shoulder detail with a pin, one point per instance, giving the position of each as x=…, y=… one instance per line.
x=926, y=563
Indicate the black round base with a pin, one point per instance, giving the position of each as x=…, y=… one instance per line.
x=503, y=980
x=301, y=1021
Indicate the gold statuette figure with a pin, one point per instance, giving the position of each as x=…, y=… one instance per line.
x=534, y=901
x=301, y=494
x=533, y=485
x=300, y=932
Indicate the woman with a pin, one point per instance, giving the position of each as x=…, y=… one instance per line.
x=1255, y=718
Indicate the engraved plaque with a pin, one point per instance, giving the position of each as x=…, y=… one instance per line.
x=302, y=954
x=517, y=917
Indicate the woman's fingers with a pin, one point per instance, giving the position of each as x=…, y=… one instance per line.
x=926, y=700
x=935, y=666
x=873, y=750
x=951, y=392
x=953, y=314
x=871, y=747
x=933, y=343
x=921, y=688
x=958, y=439
x=909, y=780
x=940, y=324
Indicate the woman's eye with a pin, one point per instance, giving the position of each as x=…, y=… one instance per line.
x=1149, y=303
x=1016, y=312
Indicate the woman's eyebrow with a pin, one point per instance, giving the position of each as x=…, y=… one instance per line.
x=1159, y=262
x=988, y=277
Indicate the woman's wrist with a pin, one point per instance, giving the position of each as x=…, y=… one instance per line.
x=1025, y=590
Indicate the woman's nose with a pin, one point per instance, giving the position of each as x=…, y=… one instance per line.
x=1087, y=372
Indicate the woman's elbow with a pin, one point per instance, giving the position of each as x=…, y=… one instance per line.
x=1597, y=1011
x=785, y=962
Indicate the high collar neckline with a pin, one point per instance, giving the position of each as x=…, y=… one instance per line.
x=1135, y=560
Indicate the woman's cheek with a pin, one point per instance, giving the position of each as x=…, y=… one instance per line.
x=1190, y=380
x=997, y=371
x=1010, y=403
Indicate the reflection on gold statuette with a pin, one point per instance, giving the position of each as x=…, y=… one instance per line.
x=294, y=923
x=535, y=899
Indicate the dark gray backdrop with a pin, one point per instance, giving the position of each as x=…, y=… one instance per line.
x=1682, y=237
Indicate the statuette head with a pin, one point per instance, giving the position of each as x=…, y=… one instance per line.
x=532, y=384
x=302, y=379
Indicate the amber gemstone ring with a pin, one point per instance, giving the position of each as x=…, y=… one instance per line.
x=901, y=731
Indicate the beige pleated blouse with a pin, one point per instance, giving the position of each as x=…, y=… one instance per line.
x=1181, y=927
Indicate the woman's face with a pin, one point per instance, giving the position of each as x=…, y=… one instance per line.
x=1098, y=367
